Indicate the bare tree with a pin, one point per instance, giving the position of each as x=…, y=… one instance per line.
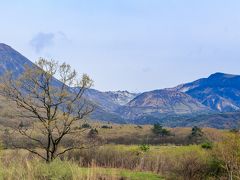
x=54, y=109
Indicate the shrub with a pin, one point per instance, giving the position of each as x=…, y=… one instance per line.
x=235, y=130
x=197, y=135
x=106, y=127
x=196, y=131
x=159, y=130
x=86, y=126
x=207, y=145
x=144, y=147
x=215, y=168
x=93, y=133
x=191, y=166
x=227, y=153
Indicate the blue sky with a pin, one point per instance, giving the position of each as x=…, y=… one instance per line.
x=135, y=45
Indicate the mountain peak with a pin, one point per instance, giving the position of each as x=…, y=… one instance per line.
x=3, y=44
x=121, y=97
x=221, y=75
x=220, y=91
x=11, y=60
x=5, y=47
x=159, y=103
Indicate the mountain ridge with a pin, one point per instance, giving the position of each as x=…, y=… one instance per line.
x=161, y=102
x=205, y=97
x=12, y=60
x=220, y=91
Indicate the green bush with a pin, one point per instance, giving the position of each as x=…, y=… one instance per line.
x=196, y=136
x=207, y=145
x=144, y=147
x=215, y=168
x=159, y=130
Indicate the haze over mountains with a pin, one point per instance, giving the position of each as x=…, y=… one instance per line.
x=216, y=98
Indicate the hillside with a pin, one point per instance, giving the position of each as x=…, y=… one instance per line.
x=161, y=102
x=12, y=61
x=220, y=92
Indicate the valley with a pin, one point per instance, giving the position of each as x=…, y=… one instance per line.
x=119, y=90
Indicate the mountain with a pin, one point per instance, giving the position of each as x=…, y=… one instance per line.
x=161, y=102
x=121, y=97
x=101, y=99
x=220, y=92
x=111, y=100
x=212, y=101
x=106, y=102
x=11, y=60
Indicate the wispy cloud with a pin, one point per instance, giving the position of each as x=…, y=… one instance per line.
x=42, y=40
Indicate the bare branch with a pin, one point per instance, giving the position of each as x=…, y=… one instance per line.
x=55, y=105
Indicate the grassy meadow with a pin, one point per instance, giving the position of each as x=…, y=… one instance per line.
x=21, y=165
x=124, y=152
x=131, y=152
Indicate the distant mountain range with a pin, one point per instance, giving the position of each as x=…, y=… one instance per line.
x=212, y=101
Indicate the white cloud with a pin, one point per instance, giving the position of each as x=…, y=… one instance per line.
x=42, y=40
